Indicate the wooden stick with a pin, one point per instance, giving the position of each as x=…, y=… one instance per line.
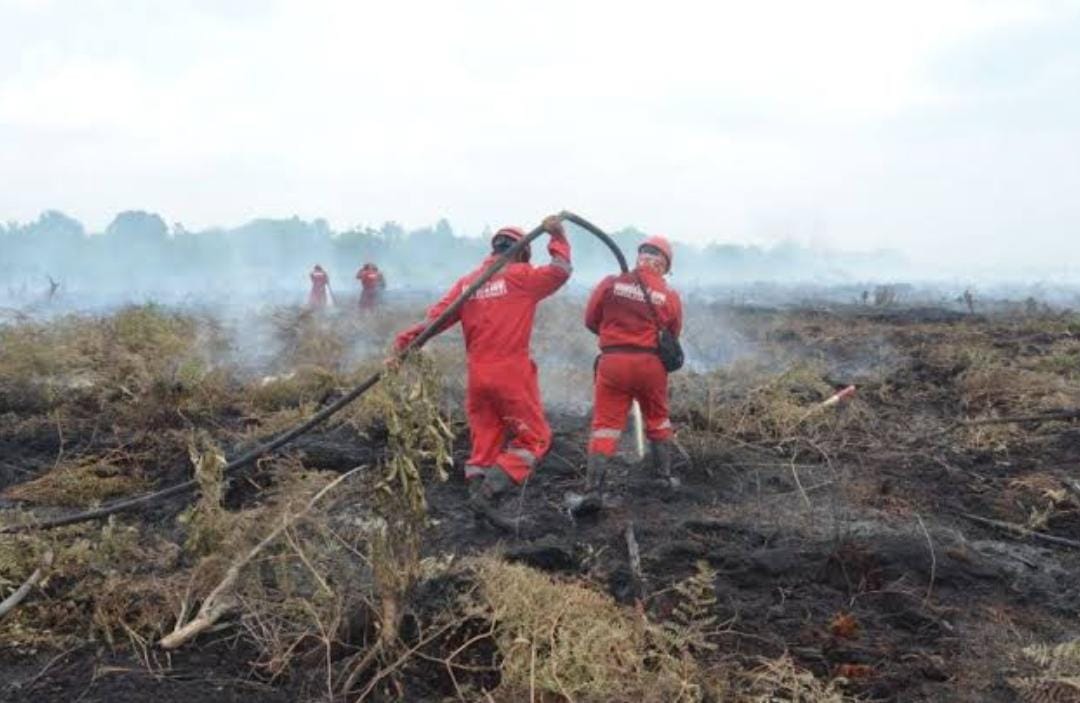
x=1022, y=531
x=12, y=601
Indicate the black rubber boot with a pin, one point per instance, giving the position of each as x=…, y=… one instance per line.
x=593, y=500
x=661, y=461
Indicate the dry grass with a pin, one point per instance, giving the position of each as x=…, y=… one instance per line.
x=105, y=581
x=84, y=481
x=563, y=638
x=135, y=367
x=560, y=638
x=750, y=402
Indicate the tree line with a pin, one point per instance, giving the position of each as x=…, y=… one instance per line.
x=138, y=253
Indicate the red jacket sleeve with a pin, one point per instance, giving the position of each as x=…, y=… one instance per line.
x=542, y=281
x=405, y=337
x=675, y=307
x=446, y=301
x=594, y=309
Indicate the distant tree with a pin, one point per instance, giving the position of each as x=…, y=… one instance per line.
x=137, y=226
x=443, y=230
x=55, y=224
x=392, y=232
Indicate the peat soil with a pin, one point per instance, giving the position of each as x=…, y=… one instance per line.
x=858, y=563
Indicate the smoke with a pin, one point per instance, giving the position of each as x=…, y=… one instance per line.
x=53, y=265
x=54, y=262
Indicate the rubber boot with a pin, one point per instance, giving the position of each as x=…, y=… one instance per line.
x=661, y=461
x=593, y=500
x=485, y=494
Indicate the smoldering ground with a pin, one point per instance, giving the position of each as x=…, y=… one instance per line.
x=814, y=550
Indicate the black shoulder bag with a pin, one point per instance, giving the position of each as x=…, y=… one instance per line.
x=667, y=345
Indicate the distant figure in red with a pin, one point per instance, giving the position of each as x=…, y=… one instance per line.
x=372, y=285
x=320, y=296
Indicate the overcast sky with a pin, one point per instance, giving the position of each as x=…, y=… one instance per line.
x=946, y=129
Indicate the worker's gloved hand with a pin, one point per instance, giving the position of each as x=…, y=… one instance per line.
x=553, y=226
x=405, y=338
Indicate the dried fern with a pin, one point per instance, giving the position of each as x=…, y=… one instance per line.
x=1061, y=680
x=781, y=680
x=1047, y=690
x=1061, y=660
x=693, y=620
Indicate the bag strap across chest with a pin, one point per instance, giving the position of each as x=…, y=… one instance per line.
x=648, y=300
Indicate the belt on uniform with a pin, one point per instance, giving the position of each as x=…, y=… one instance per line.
x=628, y=349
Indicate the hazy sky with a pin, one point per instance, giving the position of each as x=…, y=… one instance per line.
x=943, y=128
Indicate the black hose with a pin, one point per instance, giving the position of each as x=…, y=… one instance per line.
x=600, y=234
x=284, y=438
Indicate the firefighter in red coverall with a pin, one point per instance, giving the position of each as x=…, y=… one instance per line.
x=503, y=395
x=320, y=285
x=629, y=367
x=372, y=285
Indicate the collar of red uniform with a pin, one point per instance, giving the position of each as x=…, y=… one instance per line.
x=649, y=276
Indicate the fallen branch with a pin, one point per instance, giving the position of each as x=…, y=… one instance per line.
x=222, y=600
x=1022, y=531
x=12, y=601
x=832, y=400
x=798, y=483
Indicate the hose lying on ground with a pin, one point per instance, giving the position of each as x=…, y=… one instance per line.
x=318, y=418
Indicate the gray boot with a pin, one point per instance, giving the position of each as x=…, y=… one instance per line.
x=661, y=461
x=593, y=500
x=485, y=494
x=596, y=473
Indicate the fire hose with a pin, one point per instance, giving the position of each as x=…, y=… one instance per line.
x=252, y=455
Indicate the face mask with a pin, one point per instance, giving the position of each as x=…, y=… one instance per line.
x=652, y=261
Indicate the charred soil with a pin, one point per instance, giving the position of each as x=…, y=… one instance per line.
x=833, y=543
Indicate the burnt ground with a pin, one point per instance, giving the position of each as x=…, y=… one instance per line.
x=855, y=559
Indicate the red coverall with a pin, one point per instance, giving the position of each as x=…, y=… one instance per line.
x=372, y=284
x=503, y=395
x=320, y=280
x=629, y=368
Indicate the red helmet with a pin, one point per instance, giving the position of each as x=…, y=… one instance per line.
x=662, y=244
x=515, y=234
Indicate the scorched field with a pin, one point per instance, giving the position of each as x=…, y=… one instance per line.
x=915, y=542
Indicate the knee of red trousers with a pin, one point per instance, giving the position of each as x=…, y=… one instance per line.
x=604, y=440
x=660, y=431
x=518, y=464
x=524, y=453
